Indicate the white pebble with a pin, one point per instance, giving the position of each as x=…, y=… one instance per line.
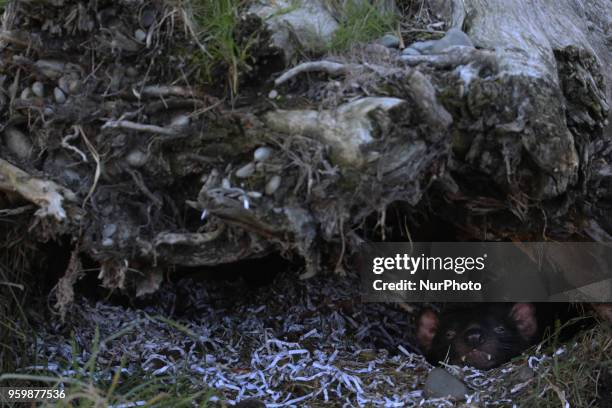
x=273, y=94
x=26, y=93
x=262, y=153
x=74, y=86
x=38, y=88
x=136, y=158
x=180, y=121
x=246, y=170
x=140, y=35
x=273, y=184
x=18, y=143
x=63, y=84
x=60, y=97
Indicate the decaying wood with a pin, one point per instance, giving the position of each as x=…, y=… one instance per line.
x=46, y=194
x=504, y=137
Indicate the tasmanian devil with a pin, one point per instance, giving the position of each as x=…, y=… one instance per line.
x=484, y=336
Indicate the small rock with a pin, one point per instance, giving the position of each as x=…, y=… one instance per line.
x=26, y=93
x=273, y=94
x=389, y=41
x=39, y=89
x=136, y=158
x=109, y=230
x=74, y=86
x=246, y=170
x=411, y=51
x=18, y=143
x=262, y=153
x=225, y=183
x=64, y=84
x=250, y=403
x=273, y=184
x=180, y=121
x=60, y=96
x=454, y=37
x=148, y=18
x=140, y=35
x=50, y=68
x=440, y=384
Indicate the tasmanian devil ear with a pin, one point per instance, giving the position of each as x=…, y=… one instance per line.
x=604, y=310
x=524, y=316
x=427, y=326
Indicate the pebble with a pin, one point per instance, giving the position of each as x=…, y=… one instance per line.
x=109, y=230
x=26, y=93
x=273, y=94
x=246, y=170
x=180, y=121
x=64, y=84
x=38, y=88
x=273, y=184
x=136, y=158
x=250, y=403
x=140, y=35
x=454, y=37
x=441, y=384
x=59, y=95
x=410, y=51
x=74, y=86
x=225, y=183
x=18, y=143
x=148, y=18
x=389, y=41
x=262, y=153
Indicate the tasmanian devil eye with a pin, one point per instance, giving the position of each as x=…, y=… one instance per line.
x=450, y=334
x=499, y=330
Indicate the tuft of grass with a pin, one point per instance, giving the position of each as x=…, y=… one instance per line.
x=362, y=21
x=218, y=21
x=574, y=377
x=85, y=385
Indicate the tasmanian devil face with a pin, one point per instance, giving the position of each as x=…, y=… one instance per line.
x=483, y=337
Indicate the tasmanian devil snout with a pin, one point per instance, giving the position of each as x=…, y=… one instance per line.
x=474, y=337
